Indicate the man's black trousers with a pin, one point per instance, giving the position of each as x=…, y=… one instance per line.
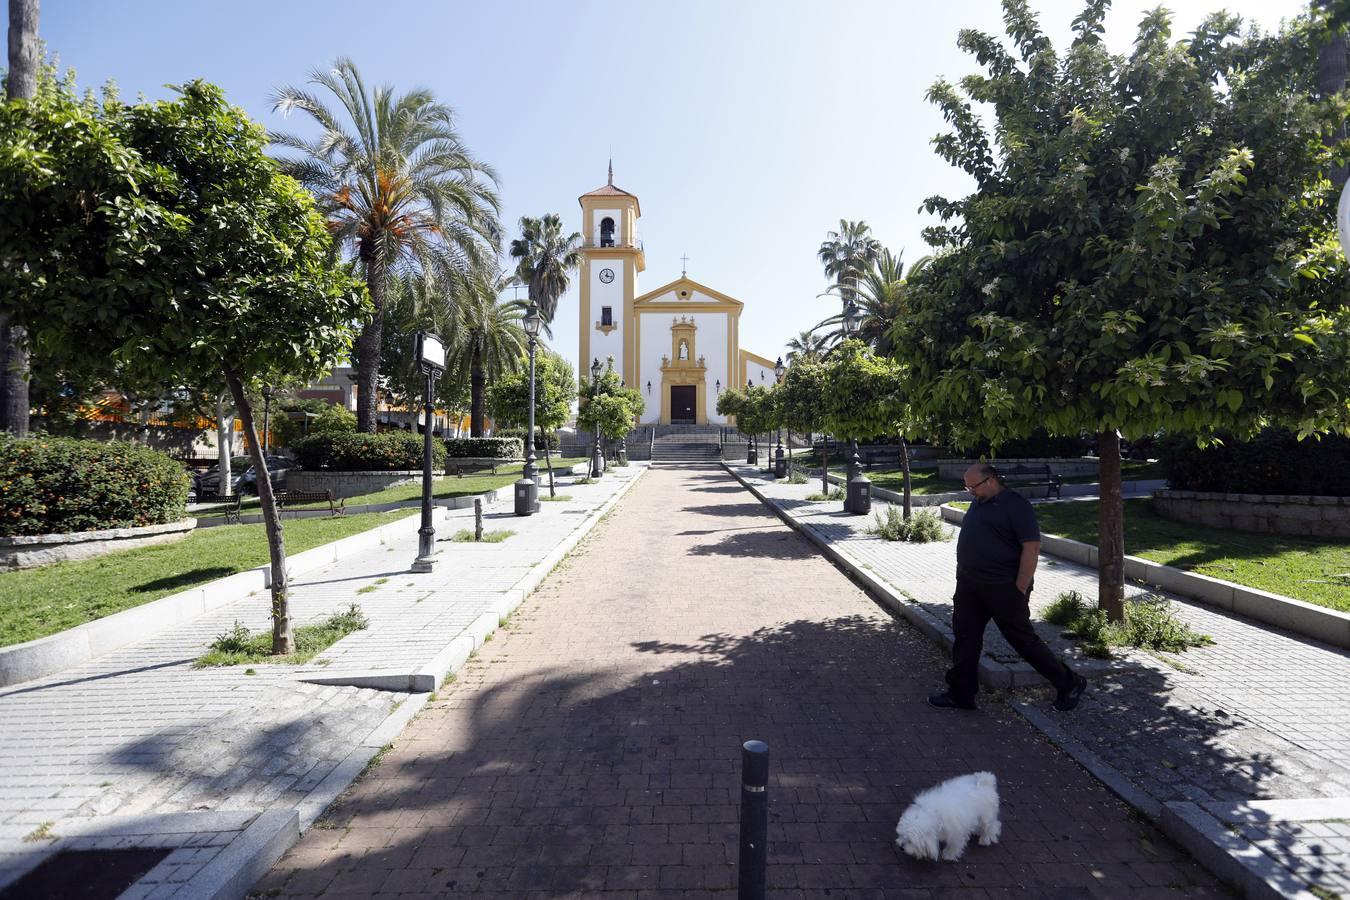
x=972, y=607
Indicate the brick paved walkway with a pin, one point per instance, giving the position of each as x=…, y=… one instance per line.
x=1250, y=737
x=593, y=746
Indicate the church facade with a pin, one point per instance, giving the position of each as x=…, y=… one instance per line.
x=678, y=344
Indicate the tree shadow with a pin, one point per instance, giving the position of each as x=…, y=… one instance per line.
x=184, y=579
x=594, y=776
x=768, y=543
x=731, y=510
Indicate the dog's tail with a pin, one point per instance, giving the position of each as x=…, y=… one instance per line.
x=986, y=780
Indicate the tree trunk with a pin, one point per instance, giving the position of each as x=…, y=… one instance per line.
x=1110, y=529
x=477, y=393
x=824, y=466
x=224, y=448
x=368, y=345
x=904, y=468
x=283, y=640
x=548, y=463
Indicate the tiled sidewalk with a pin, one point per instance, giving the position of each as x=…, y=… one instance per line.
x=137, y=748
x=1202, y=740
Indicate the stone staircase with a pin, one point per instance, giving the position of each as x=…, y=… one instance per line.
x=686, y=449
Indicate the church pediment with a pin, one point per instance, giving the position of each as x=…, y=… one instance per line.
x=685, y=292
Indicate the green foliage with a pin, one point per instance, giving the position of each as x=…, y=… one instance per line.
x=239, y=646
x=923, y=527
x=389, y=451
x=836, y=493
x=484, y=448
x=333, y=419
x=466, y=535
x=865, y=395
x=51, y=485
x=555, y=387
x=1150, y=624
x=805, y=388
x=288, y=420
x=1150, y=247
x=546, y=256
x=609, y=404
x=1274, y=462
x=756, y=408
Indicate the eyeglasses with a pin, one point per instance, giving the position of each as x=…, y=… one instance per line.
x=972, y=487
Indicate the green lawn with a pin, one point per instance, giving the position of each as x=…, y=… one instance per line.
x=38, y=602
x=1296, y=567
x=442, y=488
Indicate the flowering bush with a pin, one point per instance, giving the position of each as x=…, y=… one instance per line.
x=52, y=485
x=391, y=451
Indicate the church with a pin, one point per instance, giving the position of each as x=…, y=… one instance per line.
x=678, y=344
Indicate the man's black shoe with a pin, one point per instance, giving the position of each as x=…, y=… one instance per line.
x=947, y=701
x=1066, y=701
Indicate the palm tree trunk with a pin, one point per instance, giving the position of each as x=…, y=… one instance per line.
x=283, y=640
x=368, y=346
x=477, y=392
x=21, y=84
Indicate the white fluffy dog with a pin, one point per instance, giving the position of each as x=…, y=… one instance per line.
x=949, y=814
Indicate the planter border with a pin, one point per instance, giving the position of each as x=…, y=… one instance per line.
x=28, y=551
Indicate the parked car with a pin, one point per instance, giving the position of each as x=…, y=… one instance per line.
x=277, y=468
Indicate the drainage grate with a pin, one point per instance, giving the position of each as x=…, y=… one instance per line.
x=85, y=875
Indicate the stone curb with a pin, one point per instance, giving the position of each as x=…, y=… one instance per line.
x=247, y=858
x=1317, y=622
x=1229, y=856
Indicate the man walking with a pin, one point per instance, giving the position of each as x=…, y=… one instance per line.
x=995, y=564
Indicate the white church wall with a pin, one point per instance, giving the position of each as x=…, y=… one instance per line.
x=760, y=374
x=611, y=295
x=710, y=342
x=655, y=336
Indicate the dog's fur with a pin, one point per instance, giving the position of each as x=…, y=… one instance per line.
x=949, y=814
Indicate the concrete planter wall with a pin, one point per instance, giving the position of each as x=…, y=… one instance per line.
x=954, y=469
x=1323, y=517
x=27, y=551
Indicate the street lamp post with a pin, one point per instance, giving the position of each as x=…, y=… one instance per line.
x=431, y=359
x=267, y=417
x=597, y=459
x=779, y=460
x=858, y=498
x=527, y=488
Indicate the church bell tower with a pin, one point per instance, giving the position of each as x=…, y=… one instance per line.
x=612, y=258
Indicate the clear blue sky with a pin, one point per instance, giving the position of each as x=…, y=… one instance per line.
x=747, y=129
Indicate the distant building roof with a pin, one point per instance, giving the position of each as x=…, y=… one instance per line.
x=610, y=190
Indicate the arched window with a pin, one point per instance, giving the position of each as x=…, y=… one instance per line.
x=606, y=232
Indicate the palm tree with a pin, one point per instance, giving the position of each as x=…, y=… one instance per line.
x=20, y=84
x=847, y=254
x=400, y=190
x=882, y=300
x=545, y=259
x=807, y=345
x=484, y=337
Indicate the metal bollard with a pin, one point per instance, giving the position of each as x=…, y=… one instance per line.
x=754, y=856
x=477, y=519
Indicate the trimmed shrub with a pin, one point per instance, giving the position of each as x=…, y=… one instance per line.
x=52, y=485
x=1275, y=462
x=390, y=451
x=922, y=527
x=493, y=447
x=539, y=437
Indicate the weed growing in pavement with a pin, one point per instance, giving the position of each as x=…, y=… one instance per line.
x=922, y=527
x=238, y=645
x=561, y=498
x=41, y=833
x=1150, y=624
x=835, y=493
x=465, y=535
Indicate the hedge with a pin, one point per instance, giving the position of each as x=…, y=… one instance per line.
x=388, y=451
x=540, y=437
x=1275, y=462
x=493, y=447
x=52, y=485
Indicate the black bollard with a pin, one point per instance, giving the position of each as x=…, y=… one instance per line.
x=754, y=820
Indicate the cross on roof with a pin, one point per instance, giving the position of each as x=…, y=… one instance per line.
x=684, y=265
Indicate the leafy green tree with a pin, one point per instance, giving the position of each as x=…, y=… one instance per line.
x=161, y=240
x=333, y=419
x=865, y=398
x=805, y=389
x=755, y=408
x=1150, y=248
x=508, y=400
x=545, y=257
x=400, y=189
x=609, y=405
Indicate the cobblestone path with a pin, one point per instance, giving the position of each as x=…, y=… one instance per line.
x=593, y=747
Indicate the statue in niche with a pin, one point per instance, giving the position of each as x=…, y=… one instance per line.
x=684, y=349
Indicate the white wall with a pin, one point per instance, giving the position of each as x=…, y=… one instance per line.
x=760, y=374
x=611, y=295
x=710, y=342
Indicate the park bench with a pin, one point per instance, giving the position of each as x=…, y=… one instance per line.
x=1033, y=475
x=336, y=507
x=459, y=467
x=228, y=503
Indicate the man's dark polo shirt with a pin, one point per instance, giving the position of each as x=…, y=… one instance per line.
x=989, y=549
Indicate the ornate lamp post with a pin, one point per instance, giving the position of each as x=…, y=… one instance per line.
x=779, y=460
x=527, y=488
x=597, y=460
x=267, y=419
x=858, y=499
x=431, y=359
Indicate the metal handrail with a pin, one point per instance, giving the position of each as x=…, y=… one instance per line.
x=590, y=244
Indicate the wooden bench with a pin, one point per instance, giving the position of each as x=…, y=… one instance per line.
x=1033, y=475
x=459, y=467
x=228, y=503
x=299, y=498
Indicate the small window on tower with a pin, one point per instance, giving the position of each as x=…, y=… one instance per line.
x=607, y=232
x=607, y=316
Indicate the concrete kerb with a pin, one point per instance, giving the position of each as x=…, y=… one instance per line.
x=1317, y=622
x=1228, y=855
x=246, y=859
